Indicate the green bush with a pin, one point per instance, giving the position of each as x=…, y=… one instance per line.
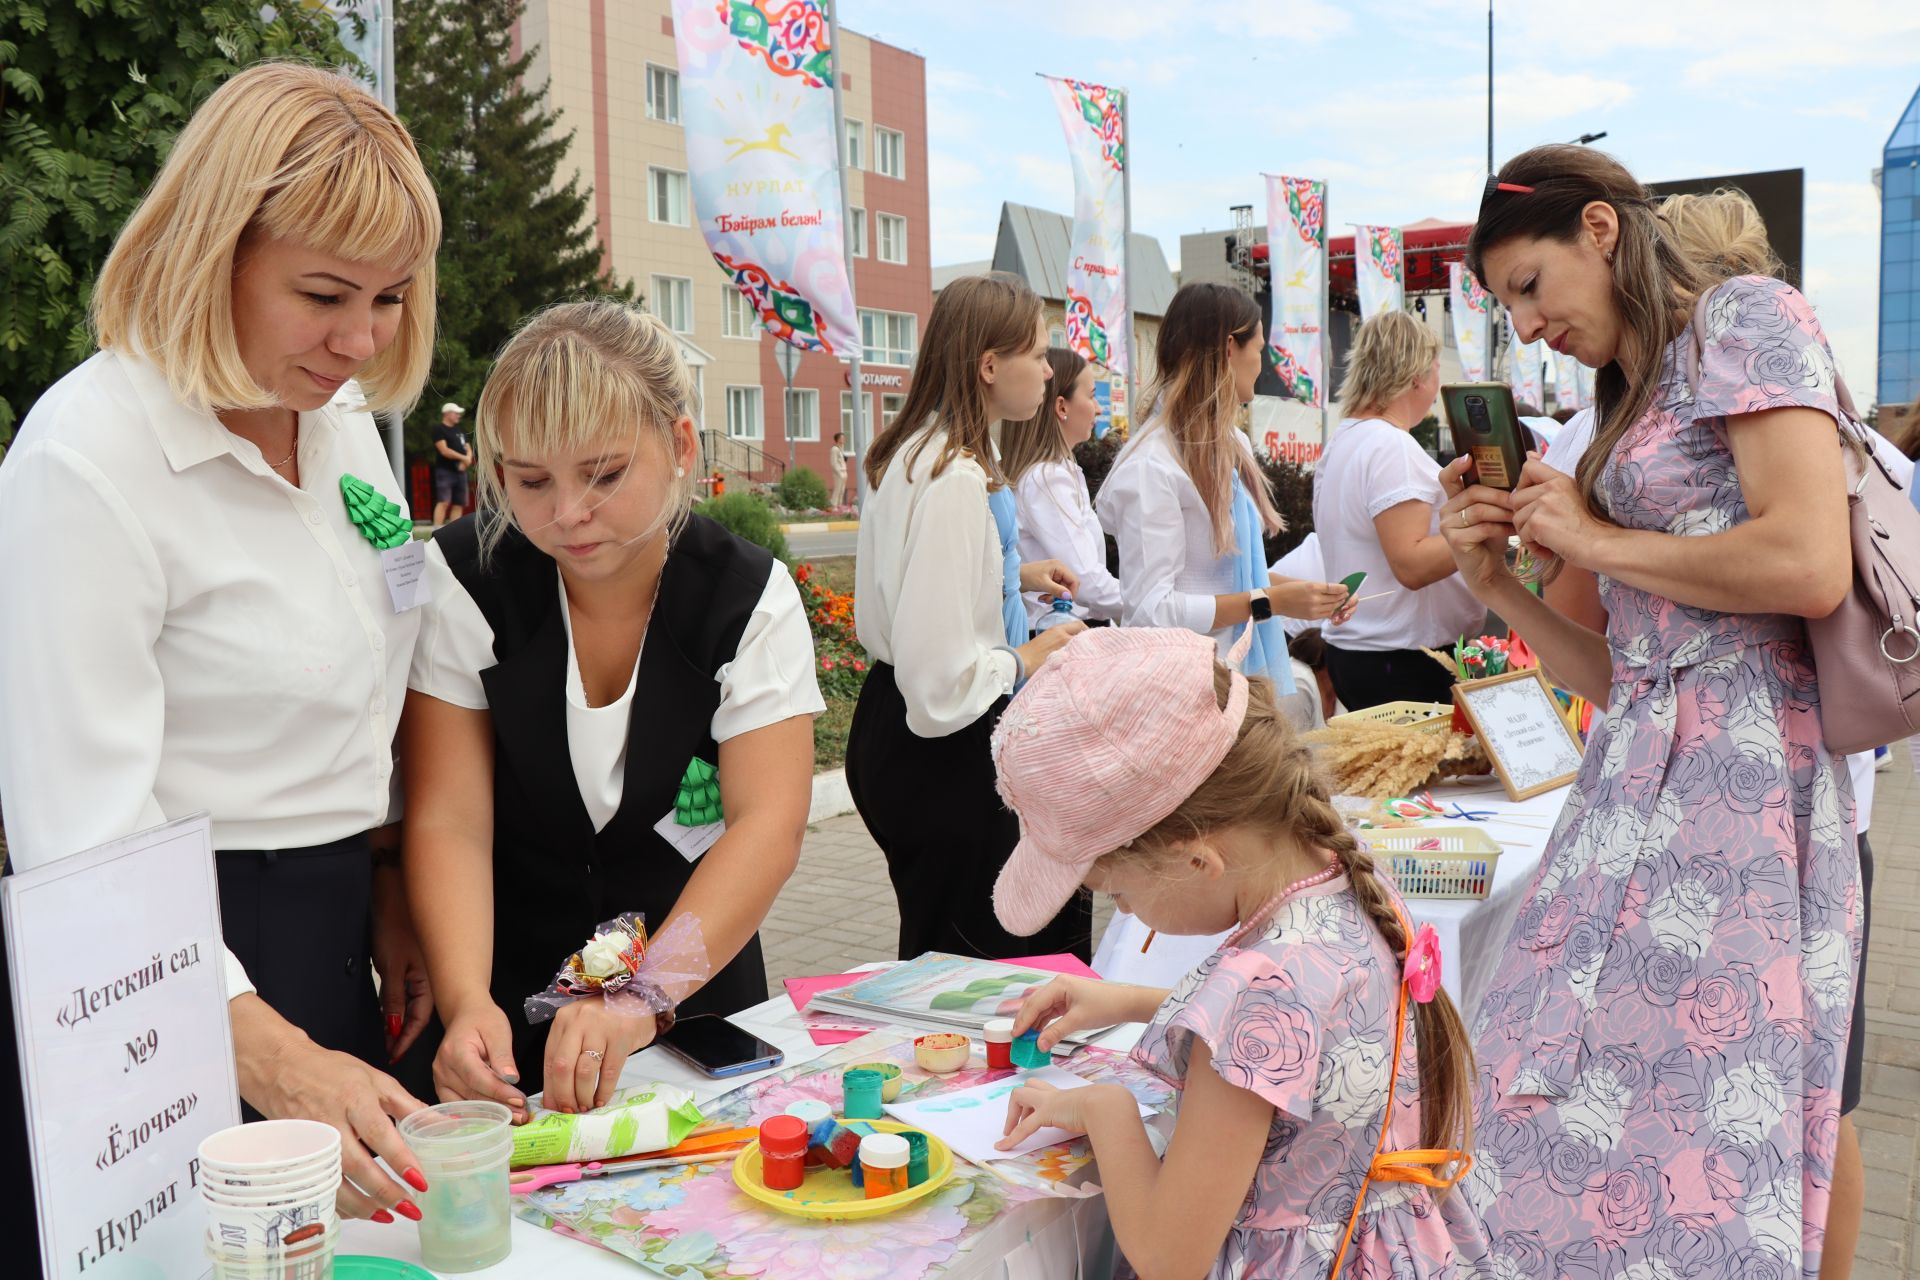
x=748, y=516
x=802, y=489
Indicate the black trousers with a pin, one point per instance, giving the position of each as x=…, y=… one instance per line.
x=1856, y=1061
x=931, y=806
x=1364, y=679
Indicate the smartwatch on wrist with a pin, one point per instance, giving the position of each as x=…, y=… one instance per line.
x=1261, y=605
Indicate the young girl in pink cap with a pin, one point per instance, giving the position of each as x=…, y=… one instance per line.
x=1325, y=1077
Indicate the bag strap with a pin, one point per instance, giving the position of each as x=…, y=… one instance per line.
x=1853, y=427
x=1399, y=1166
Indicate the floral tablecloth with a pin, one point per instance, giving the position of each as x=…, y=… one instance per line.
x=693, y=1222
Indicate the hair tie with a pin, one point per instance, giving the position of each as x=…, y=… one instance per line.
x=1421, y=970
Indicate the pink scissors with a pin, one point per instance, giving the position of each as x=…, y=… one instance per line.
x=522, y=1181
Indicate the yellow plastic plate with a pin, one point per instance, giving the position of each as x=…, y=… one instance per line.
x=829, y=1194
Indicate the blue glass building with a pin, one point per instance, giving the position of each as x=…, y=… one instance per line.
x=1900, y=260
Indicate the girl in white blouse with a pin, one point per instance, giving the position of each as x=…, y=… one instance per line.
x=594, y=651
x=1056, y=515
x=929, y=586
x=1187, y=503
x=192, y=620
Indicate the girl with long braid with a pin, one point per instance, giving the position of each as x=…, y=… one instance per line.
x=1326, y=1079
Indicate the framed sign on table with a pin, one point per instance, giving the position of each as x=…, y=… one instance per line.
x=1519, y=722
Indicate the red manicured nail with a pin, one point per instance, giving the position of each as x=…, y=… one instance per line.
x=408, y=1209
x=393, y=1024
x=415, y=1179
x=381, y=1215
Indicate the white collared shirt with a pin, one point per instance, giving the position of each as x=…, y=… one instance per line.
x=1057, y=523
x=1169, y=571
x=183, y=630
x=927, y=583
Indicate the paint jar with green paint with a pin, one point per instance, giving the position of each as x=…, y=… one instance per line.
x=658, y=1117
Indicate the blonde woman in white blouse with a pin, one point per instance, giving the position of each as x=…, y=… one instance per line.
x=192, y=620
x=933, y=582
x=592, y=645
x=1056, y=515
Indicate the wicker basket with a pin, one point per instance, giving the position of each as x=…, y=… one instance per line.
x=1428, y=717
x=1438, y=862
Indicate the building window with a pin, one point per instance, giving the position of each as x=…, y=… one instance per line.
x=856, y=145
x=1056, y=336
x=803, y=413
x=888, y=337
x=889, y=152
x=743, y=413
x=890, y=407
x=738, y=319
x=846, y=418
x=857, y=231
x=667, y=198
x=663, y=94
x=672, y=301
x=891, y=231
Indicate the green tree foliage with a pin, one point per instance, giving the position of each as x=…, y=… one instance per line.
x=92, y=95
x=516, y=238
x=747, y=515
x=802, y=489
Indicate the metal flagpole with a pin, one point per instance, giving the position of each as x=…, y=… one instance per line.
x=1126, y=250
x=858, y=436
x=396, y=423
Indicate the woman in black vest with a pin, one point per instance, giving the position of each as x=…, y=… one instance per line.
x=591, y=646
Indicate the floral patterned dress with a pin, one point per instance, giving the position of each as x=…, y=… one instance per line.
x=1661, y=1048
x=1303, y=1015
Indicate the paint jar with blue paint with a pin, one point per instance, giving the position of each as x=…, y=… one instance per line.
x=863, y=1090
x=1027, y=1053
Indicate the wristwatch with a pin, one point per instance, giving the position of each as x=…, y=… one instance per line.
x=1261, y=605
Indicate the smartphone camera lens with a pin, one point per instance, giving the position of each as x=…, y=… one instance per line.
x=1477, y=414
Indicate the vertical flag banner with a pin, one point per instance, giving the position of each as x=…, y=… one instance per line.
x=1297, y=263
x=1472, y=308
x=1568, y=393
x=1378, y=265
x=1096, y=277
x=1527, y=375
x=763, y=155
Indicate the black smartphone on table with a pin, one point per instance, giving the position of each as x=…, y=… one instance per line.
x=1486, y=427
x=718, y=1048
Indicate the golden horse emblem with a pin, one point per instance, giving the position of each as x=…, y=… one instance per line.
x=775, y=140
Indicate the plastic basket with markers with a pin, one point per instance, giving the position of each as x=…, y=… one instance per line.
x=1437, y=862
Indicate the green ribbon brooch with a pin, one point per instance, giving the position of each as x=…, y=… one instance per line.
x=698, y=803
x=379, y=518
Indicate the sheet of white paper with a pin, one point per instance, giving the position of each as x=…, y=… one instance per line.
x=972, y=1120
x=690, y=841
x=405, y=568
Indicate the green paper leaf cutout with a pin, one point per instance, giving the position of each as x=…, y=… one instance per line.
x=698, y=802
x=379, y=518
x=1352, y=581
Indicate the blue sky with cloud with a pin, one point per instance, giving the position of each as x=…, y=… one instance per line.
x=1388, y=103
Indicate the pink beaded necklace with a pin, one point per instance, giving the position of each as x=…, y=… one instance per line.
x=1259, y=918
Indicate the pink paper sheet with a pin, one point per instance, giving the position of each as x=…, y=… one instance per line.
x=801, y=990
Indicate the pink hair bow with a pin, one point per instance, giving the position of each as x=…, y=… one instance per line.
x=1422, y=968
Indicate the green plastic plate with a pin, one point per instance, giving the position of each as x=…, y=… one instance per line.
x=359, y=1266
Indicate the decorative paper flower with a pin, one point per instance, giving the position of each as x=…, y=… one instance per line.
x=698, y=802
x=605, y=955
x=1423, y=964
x=379, y=519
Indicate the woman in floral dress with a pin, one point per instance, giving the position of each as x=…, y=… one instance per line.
x=1660, y=1053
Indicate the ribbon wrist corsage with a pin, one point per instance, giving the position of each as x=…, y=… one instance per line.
x=633, y=975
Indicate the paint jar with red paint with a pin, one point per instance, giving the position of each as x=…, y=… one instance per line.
x=999, y=1037
x=783, y=1152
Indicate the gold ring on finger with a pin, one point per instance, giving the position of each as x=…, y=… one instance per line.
x=595, y=1054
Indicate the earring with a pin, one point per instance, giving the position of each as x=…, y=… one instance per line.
x=1609, y=257
x=680, y=473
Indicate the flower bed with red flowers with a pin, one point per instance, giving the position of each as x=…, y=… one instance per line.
x=840, y=664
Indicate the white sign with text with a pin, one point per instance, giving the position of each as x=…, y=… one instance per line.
x=120, y=1003
x=1521, y=725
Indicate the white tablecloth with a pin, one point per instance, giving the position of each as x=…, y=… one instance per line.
x=1470, y=932
x=1040, y=1240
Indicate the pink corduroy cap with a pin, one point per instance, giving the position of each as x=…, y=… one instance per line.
x=1108, y=738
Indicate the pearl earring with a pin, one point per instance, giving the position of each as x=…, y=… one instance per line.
x=680, y=473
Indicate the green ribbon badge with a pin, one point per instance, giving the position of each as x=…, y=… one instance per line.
x=698, y=803
x=379, y=518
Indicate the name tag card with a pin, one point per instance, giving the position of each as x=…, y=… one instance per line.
x=120, y=1004
x=1520, y=724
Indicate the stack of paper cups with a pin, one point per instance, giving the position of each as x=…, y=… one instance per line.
x=269, y=1190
